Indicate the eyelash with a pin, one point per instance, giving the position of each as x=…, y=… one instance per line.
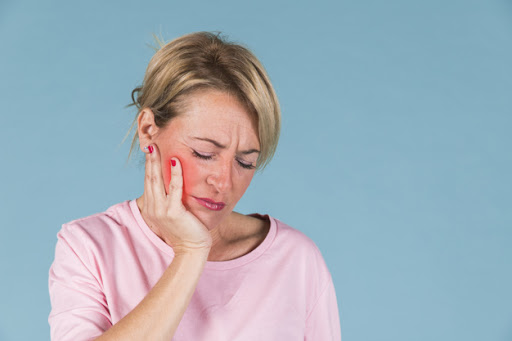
x=209, y=157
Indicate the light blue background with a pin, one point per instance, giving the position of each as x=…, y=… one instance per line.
x=395, y=153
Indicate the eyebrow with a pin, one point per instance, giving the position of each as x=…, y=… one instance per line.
x=217, y=144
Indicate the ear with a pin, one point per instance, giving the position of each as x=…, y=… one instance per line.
x=146, y=128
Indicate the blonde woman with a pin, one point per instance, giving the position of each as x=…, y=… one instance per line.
x=177, y=262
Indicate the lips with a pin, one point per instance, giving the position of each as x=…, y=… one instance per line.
x=210, y=204
x=213, y=202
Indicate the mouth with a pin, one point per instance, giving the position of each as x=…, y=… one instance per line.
x=212, y=205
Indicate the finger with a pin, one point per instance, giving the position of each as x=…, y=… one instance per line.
x=157, y=183
x=176, y=184
x=148, y=192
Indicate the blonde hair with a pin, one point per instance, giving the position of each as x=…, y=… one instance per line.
x=205, y=60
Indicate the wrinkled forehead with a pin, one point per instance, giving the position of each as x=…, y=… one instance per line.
x=211, y=97
x=220, y=115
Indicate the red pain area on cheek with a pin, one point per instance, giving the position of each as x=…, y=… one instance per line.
x=189, y=172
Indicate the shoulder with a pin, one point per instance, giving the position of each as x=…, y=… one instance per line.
x=295, y=239
x=303, y=249
x=98, y=228
x=302, y=254
x=283, y=236
x=306, y=257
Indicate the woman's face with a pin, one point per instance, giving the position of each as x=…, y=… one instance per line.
x=215, y=115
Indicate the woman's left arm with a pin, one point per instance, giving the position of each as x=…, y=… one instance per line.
x=323, y=322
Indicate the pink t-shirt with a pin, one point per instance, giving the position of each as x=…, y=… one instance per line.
x=106, y=263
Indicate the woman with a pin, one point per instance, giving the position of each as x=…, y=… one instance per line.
x=177, y=262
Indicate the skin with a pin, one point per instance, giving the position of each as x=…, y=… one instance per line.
x=221, y=117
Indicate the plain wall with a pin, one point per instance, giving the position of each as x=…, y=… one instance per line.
x=394, y=157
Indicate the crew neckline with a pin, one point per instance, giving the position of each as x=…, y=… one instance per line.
x=210, y=265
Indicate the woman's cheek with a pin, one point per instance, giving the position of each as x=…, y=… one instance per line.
x=190, y=173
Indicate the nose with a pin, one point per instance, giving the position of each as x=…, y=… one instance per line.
x=221, y=177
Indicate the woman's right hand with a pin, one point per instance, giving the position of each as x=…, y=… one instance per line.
x=165, y=213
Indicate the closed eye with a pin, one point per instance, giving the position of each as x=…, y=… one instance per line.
x=209, y=157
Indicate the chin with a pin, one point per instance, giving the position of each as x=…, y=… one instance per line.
x=211, y=219
x=208, y=221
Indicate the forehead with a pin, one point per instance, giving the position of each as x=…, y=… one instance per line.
x=217, y=114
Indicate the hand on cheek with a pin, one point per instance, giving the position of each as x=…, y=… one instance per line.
x=190, y=173
x=167, y=173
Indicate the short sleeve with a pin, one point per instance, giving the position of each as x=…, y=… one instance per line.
x=79, y=309
x=323, y=322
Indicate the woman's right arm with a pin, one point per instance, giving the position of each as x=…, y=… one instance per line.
x=79, y=307
x=158, y=315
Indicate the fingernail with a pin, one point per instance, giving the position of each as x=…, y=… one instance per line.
x=150, y=149
x=173, y=162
